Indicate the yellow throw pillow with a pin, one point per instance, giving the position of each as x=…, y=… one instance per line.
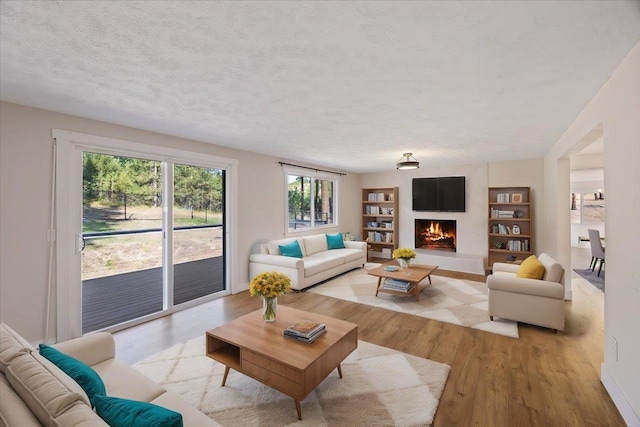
x=531, y=268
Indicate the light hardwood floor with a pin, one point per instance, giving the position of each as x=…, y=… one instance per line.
x=541, y=379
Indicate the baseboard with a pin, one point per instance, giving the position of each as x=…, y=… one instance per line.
x=624, y=407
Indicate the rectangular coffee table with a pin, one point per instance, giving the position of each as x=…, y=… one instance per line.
x=413, y=274
x=260, y=350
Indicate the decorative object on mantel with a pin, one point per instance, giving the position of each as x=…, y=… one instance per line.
x=404, y=256
x=407, y=162
x=269, y=285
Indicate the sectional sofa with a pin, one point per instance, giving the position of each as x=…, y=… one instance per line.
x=318, y=261
x=36, y=392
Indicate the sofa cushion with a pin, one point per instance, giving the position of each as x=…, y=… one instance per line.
x=46, y=395
x=13, y=410
x=320, y=262
x=88, y=379
x=552, y=269
x=123, y=381
x=65, y=379
x=314, y=244
x=12, y=345
x=531, y=268
x=272, y=246
x=291, y=249
x=335, y=241
x=80, y=415
x=119, y=412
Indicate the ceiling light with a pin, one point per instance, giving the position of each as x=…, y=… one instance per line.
x=407, y=162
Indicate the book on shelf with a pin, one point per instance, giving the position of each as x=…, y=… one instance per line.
x=376, y=197
x=397, y=285
x=503, y=198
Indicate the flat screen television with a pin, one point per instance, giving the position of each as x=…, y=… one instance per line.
x=442, y=194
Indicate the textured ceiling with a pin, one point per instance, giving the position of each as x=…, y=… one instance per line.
x=345, y=85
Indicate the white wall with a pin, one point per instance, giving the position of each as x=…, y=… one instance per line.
x=25, y=186
x=614, y=112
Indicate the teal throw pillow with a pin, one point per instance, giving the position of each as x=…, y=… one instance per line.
x=334, y=241
x=291, y=249
x=82, y=373
x=119, y=412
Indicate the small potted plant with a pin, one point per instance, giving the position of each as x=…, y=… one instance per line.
x=269, y=285
x=404, y=256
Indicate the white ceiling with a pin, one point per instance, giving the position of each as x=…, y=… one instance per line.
x=343, y=85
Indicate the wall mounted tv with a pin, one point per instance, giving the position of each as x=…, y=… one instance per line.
x=442, y=194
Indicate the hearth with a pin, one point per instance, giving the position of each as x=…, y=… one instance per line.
x=439, y=234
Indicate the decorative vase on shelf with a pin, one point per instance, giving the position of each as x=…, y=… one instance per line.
x=404, y=262
x=269, y=307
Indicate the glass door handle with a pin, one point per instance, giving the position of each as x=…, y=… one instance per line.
x=80, y=243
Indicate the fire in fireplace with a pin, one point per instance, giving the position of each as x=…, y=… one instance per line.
x=436, y=234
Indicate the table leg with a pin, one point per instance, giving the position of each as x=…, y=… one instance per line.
x=298, y=409
x=226, y=372
x=429, y=276
x=340, y=370
x=379, y=283
x=417, y=290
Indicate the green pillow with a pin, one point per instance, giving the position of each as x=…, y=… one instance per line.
x=531, y=268
x=119, y=412
x=83, y=374
x=334, y=241
x=291, y=249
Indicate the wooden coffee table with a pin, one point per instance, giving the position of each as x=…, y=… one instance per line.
x=259, y=350
x=413, y=274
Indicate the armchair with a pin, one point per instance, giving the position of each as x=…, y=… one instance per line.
x=533, y=301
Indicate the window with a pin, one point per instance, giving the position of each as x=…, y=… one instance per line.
x=311, y=201
x=587, y=207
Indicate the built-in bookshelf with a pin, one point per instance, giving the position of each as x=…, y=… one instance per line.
x=510, y=226
x=380, y=221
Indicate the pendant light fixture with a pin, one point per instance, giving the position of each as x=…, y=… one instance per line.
x=407, y=162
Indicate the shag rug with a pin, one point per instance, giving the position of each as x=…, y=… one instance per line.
x=592, y=277
x=379, y=387
x=461, y=302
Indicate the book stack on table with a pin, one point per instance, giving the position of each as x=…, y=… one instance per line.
x=306, y=331
x=397, y=285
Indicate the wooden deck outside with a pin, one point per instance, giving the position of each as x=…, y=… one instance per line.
x=110, y=300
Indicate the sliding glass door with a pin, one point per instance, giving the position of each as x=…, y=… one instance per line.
x=198, y=238
x=141, y=257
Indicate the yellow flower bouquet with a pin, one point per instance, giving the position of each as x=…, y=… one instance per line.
x=404, y=253
x=269, y=285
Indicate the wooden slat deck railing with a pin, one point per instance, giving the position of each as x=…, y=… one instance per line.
x=110, y=300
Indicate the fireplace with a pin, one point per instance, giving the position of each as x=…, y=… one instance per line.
x=439, y=234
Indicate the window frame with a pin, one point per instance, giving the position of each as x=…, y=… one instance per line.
x=313, y=175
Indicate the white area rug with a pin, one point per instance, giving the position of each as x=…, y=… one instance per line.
x=461, y=302
x=380, y=387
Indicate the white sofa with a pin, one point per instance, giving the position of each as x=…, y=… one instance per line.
x=533, y=301
x=318, y=262
x=35, y=392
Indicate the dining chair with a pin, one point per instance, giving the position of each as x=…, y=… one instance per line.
x=597, y=251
